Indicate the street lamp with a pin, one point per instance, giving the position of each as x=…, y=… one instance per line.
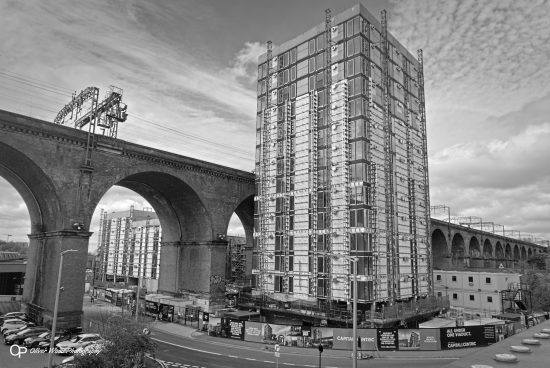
x=52, y=337
x=354, y=309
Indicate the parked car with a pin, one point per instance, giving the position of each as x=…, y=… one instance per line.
x=13, y=325
x=59, y=338
x=19, y=338
x=12, y=315
x=33, y=341
x=80, y=341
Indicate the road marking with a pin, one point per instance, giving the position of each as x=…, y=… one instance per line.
x=185, y=347
x=268, y=361
x=232, y=356
x=250, y=359
x=289, y=363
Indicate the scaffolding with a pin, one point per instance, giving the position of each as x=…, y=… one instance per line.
x=313, y=182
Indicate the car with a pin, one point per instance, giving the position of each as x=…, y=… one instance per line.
x=45, y=344
x=79, y=341
x=13, y=325
x=33, y=341
x=11, y=315
x=19, y=338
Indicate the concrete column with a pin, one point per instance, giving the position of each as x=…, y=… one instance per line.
x=195, y=267
x=41, y=276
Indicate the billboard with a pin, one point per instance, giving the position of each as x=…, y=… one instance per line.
x=467, y=337
x=387, y=339
x=233, y=328
x=343, y=338
x=419, y=339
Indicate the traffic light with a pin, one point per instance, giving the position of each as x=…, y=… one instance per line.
x=320, y=348
x=359, y=342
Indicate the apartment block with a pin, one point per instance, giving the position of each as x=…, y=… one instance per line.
x=341, y=166
x=129, y=247
x=478, y=293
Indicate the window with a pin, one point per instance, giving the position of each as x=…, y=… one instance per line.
x=453, y=278
x=302, y=51
x=487, y=280
x=312, y=47
x=291, y=284
x=311, y=63
x=455, y=296
x=438, y=277
x=357, y=128
x=472, y=297
x=470, y=279
x=278, y=284
x=489, y=299
x=439, y=293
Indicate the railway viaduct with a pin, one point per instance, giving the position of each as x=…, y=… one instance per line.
x=46, y=163
x=455, y=247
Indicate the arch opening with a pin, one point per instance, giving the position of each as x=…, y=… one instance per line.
x=458, y=251
x=474, y=249
x=439, y=249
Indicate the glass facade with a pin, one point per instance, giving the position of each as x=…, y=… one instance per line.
x=341, y=166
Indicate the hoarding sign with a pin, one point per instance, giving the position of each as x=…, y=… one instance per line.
x=387, y=339
x=233, y=328
x=343, y=338
x=467, y=337
x=419, y=339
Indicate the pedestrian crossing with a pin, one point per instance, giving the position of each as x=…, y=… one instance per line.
x=179, y=365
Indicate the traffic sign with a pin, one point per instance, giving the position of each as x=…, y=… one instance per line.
x=277, y=354
x=276, y=347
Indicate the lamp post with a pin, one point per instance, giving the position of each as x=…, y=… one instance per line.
x=52, y=337
x=354, y=308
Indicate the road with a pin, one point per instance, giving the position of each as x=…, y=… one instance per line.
x=181, y=351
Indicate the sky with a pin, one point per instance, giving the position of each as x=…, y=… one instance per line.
x=188, y=71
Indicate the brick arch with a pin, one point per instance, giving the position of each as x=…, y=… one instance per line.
x=499, y=251
x=440, y=248
x=529, y=253
x=474, y=249
x=523, y=253
x=516, y=254
x=458, y=250
x=487, y=249
x=508, y=251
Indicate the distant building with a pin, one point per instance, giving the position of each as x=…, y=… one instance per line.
x=237, y=259
x=129, y=248
x=478, y=293
x=12, y=275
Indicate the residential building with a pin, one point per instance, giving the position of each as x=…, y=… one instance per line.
x=129, y=247
x=477, y=294
x=341, y=167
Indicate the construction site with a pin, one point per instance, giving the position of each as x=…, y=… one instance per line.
x=342, y=176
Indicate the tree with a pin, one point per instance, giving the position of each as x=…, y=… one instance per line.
x=539, y=285
x=538, y=261
x=125, y=346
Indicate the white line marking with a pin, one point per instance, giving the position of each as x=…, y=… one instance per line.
x=232, y=356
x=268, y=361
x=185, y=347
x=250, y=359
x=289, y=363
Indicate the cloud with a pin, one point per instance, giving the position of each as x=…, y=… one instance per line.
x=245, y=66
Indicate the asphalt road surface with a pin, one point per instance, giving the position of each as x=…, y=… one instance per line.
x=189, y=354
